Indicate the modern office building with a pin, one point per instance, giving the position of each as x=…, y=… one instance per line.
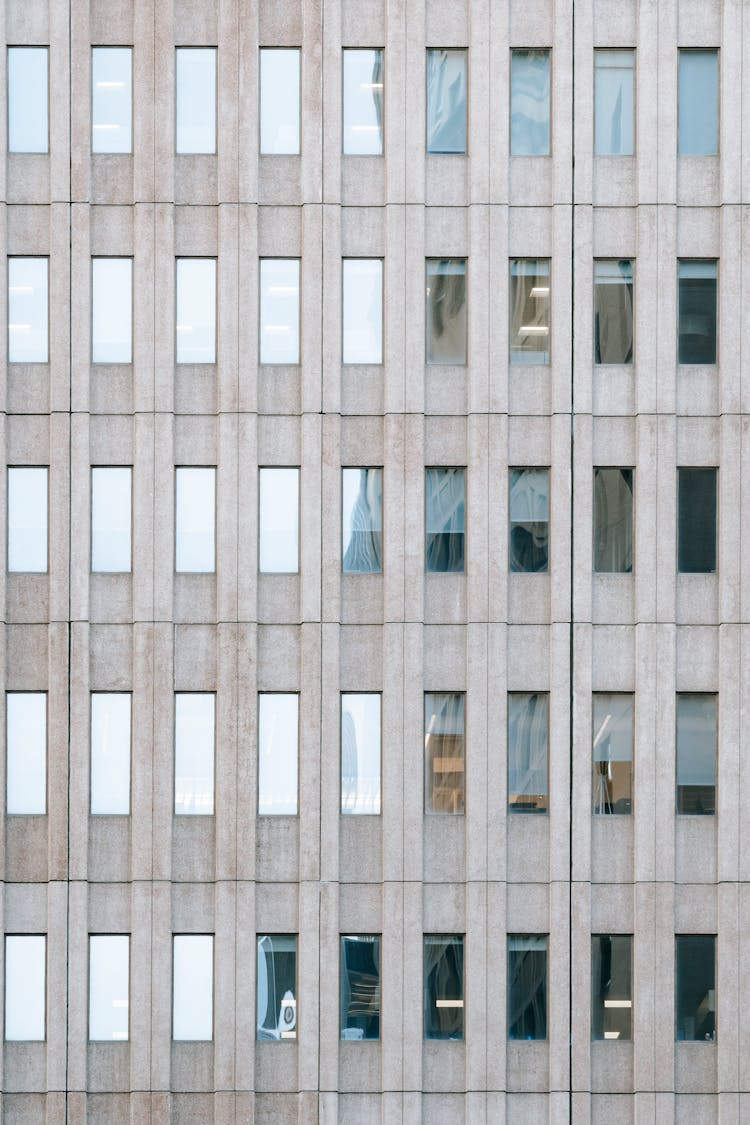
x=375, y=656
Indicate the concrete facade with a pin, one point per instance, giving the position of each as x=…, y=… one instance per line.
x=486, y=632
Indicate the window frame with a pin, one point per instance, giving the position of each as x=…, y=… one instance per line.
x=603, y=812
x=618, y=1002
x=129, y=694
x=356, y=362
x=717, y=314
x=467, y=121
x=428, y=346
x=427, y=766
x=512, y=523
x=182, y=813
x=459, y=1003
x=25, y=47
x=619, y=155
x=196, y=258
x=213, y=570
x=117, y=1038
x=430, y=535
x=117, y=47
x=45, y=694
x=550, y=101
x=212, y=1037
x=46, y=569
x=198, y=47
x=269, y=817
x=290, y=1038
x=357, y=469
x=113, y=258
x=354, y=812
x=514, y=808
x=300, y=76
x=717, y=518
x=24, y=258
x=100, y=570
x=594, y=523
x=695, y=50
x=262, y=363
x=360, y=48
x=703, y=695
x=298, y=569
x=528, y=937
x=45, y=986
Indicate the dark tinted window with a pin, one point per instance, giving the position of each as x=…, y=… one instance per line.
x=696, y=528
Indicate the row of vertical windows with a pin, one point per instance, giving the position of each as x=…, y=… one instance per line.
x=364, y=103
x=359, y=995
x=446, y=310
x=361, y=750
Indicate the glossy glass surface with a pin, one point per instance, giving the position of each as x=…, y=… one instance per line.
x=279, y=310
x=194, y=727
x=363, y=102
x=362, y=310
x=195, y=520
x=360, y=986
x=698, y=126
x=529, y=103
x=28, y=310
x=362, y=520
x=528, y=738
x=278, y=548
x=446, y=101
x=195, y=99
x=109, y=986
x=26, y=752
x=614, y=108
x=360, y=753
x=443, y=986
x=612, y=752
x=110, y=753
x=277, y=987
x=444, y=752
x=112, y=99
x=527, y=986
x=27, y=520
x=25, y=987
x=193, y=987
x=445, y=312
x=279, y=101
x=28, y=112
x=111, y=520
x=278, y=753
x=196, y=310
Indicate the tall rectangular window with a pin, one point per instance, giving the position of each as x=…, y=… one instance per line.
x=695, y=986
x=112, y=310
x=110, y=753
x=529, y=520
x=279, y=310
x=279, y=100
x=611, y=986
x=698, y=126
x=696, y=328
x=194, y=727
x=696, y=754
x=529, y=103
x=443, y=986
x=278, y=521
x=112, y=99
x=612, y=752
x=278, y=753
x=696, y=521
x=360, y=986
x=26, y=752
x=445, y=520
x=613, y=521
x=362, y=310
x=613, y=311
x=528, y=738
x=527, y=986
x=28, y=310
x=362, y=520
x=614, y=103
x=196, y=310
x=111, y=503
x=444, y=755
x=277, y=987
x=28, y=111
x=195, y=99
x=445, y=312
x=27, y=520
x=109, y=986
x=447, y=80
x=529, y=310
x=195, y=520
x=25, y=987
x=192, y=987
x=360, y=753
x=363, y=102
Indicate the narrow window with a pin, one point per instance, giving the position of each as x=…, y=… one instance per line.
x=444, y=777
x=527, y=986
x=611, y=986
x=25, y=987
x=697, y=281
x=613, y=752
x=27, y=520
x=363, y=310
x=443, y=986
x=445, y=520
x=613, y=312
x=613, y=521
x=614, y=103
x=26, y=752
x=360, y=753
x=111, y=492
x=445, y=314
x=279, y=100
x=194, y=753
x=28, y=128
x=195, y=520
x=529, y=103
x=110, y=753
x=529, y=520
x=528, y=729
x=193, y=987
x=28, y=310
x=696, y=754
x=278, y=753
x=278, y=546
x=109, y=986
x=529, y=310
x=699, y=103
x=279, y=310
x=277, y=987
x=695, y=986
x=112, y=310
x=362, y=520
x=195, y=81
x=363, y=102
x=196, y=310
x=696, y=527
x=112, y=99
x=360, y=986
x=446, y=100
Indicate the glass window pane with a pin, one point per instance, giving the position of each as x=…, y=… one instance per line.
x=25, y=986
x=443, y=986
x=613, y=312
x=27, y=520
x=28, y=129
x=696, y=327
x=529, y=310
x=279, y=310
x=529, y=520
x=279, y=521
x=360, y=986
x=699, y=103
x=27, y=310
x=613, y=520
x=362, y=520
x=528, y=726
x=527, y=986
x=110, y=753
x=112, y=99
x=444, y=778
x=445, y=314
x=194, y=727
x=360, y=753
x=696, y=536
x=363, y=102
x=109, y=986
x=613, y=752
x=614, y=103
x=696, y=754
x=445, y=520
x=529, y=103
x=193, y=987
x=611, y=986
x=278, y=746
x=111, y=491
x=195, y=519
x=196, y=310
x=112, y=310
x=195, y=97
x=363, y=310
x=446, y=101
x=277, y=987
x=695, y=986
x=26, y=752
x=279, y=100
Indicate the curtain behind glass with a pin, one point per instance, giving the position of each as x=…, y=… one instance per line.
x=446, y=101
x=613, y=101
x=527, y=987
x=613, y=312
x=613, y=520
x=697, y=311
x=443, y=987
x=445, y=314
x=528, y=724
x=529, y=310
x=529, y=520
x=444, y=752
x=529, y=103
x=362, y=520
x=696, y=754
x=445, y=520
x=612, y=752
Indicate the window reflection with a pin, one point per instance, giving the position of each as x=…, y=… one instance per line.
x=360, y=753
x=446, y=101
x=363, y=310
x=611, y=986
x=110, y=753
x=695, y=986
x=194, y=727
x=111, y=490
x=443, y=986
x=696, y=754
x=25, y=987
x=527, y=986
x=195, y=520
x=613, y=753
x=277, y=987
x=362, y=520
x=112, y=99
x=698, y=126
x=112, y=310
x=195, y=97
x=279, y=521
x=279, y=100
x=696, y=521
x=529, y=310
x=529, y=103
x=27, y=520
x=363, y=102
x=697, y=282
x=529, y=520
x=360, y=986
x=278, y=742
x=613, y=520
x=613, y=103
x=193, y=987
x=279, y=310
x=444, y=784
x=445, y=520
x=528, y=729
x=27, y=310
x=28, y=129
x=109, y=986
x=196, y=310
x=445, y=314
x=26, y=752
x=613, y=312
